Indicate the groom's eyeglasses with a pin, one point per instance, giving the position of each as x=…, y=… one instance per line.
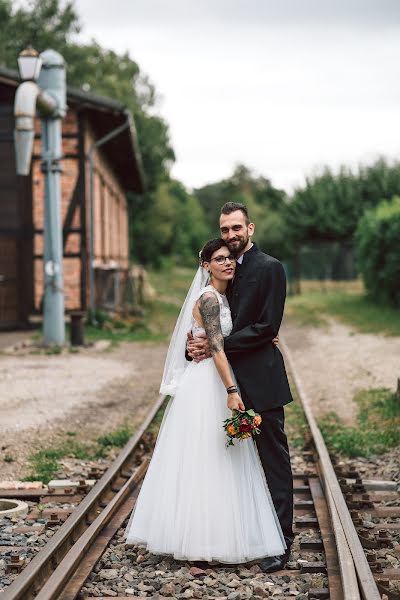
x=220, y=260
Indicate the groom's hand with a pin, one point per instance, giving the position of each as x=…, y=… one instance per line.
x=198, y=350
x=275, y=341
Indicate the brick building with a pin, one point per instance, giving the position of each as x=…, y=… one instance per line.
x=117, y=169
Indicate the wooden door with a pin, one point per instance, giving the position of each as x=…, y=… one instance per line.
x=8, y=282
x=16, y=231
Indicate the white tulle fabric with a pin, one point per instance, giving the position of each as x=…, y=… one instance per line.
x=201, y=500
x=175, y=363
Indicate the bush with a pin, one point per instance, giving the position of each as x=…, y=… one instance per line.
x=378, y=251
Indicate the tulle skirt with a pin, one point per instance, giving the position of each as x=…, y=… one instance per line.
x=201, y=500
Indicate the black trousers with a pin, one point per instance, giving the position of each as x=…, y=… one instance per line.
x=274, y=454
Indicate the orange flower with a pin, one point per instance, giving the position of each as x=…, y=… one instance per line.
x=257, y=420
x=231, y=429
x=245, y=435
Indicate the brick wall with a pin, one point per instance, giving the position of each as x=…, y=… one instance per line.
x=110, y=210
x=110, y=213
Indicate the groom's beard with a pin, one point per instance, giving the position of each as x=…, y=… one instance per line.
x=236, y=245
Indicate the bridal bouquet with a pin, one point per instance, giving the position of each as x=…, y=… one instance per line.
x=241, y=425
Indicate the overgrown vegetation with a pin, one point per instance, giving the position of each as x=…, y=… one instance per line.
x=156, y=319
x=378, y=241
x=117, y=438
x=45, y=463
x=295, y=421
x=350, y=306
x=377, y=429
x=295, y=424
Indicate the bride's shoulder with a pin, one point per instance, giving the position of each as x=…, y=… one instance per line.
x=207, y=289
x=209, y=293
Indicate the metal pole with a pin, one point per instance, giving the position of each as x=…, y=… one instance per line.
x=92, y=300
x=52, y=80
x=97, y=144
x=53, y=311
x=49, y=97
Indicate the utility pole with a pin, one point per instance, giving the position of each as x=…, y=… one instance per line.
x=48, y=96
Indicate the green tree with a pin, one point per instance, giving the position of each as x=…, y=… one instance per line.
x=264, y=202
x=171, y=229
x=42, y=23
x=330, y=205
x=52, y=23
x=378, y=251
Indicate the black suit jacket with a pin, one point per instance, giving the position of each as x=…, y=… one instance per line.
x=257, y=298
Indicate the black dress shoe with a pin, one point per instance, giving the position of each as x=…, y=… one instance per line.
x=270, y=564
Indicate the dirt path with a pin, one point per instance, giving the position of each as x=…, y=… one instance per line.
x=89, y=393
x=335, y=362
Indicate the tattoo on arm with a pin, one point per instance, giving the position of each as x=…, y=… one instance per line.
x=209, y=310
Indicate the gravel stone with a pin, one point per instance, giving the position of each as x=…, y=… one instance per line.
x=108, y=574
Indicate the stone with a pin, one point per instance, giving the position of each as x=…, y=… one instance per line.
x=260, y=591
x=196, y=572
x=140, y=559
x=245, y=573
x=234, y=596
x=255, y=569
x=108, y=573
x=278, y=591
x=101, y=345
x=168, y=589
x=144, y=588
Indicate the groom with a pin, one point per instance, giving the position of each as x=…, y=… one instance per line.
x=257, y=298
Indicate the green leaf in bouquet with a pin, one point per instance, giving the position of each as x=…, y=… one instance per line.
x=251, y=412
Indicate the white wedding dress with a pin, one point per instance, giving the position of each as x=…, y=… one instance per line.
x=201, y=500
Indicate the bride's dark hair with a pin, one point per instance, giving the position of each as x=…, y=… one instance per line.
x=209, y=248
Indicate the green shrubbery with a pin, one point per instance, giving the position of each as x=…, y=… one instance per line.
x=376, y=430
x=378, y=251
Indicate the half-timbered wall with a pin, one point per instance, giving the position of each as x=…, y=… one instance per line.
x=69, y=181
x=110, y=212
x=22, y=210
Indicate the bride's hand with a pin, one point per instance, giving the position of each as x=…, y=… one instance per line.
x=275, y=341
x=235, y=402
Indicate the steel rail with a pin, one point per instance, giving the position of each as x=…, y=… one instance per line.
x=38, y=571
x=346, y=565
x=336, y=500
x=55, y=585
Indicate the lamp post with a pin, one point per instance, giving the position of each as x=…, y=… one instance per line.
x=48, y=96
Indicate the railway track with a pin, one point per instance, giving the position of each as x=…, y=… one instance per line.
x=331, y=541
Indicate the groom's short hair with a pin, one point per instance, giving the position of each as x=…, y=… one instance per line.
x=230, y=207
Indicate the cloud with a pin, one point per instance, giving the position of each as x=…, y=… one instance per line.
x=242, y=13
x=282, y=86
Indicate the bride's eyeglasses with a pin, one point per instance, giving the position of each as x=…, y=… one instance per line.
x=220, y=260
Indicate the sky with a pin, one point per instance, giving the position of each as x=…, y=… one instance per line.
x=282, y=86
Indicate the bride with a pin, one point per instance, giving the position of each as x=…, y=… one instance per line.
x=202, y=501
